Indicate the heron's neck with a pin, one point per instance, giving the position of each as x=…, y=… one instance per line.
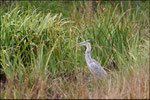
x=88, y=52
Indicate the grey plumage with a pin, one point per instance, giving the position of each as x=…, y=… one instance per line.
x=93, y=65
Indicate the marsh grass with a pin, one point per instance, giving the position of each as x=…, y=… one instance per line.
x=40, y=58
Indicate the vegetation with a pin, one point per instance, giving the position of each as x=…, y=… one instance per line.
x=40, y=58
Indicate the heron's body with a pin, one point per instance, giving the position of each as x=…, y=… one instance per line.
x=93, y=65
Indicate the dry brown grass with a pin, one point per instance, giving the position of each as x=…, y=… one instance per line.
x=134, y=86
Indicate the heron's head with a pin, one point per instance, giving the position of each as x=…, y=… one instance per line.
x=85, y=43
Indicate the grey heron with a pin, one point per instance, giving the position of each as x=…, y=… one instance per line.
x=93, y=65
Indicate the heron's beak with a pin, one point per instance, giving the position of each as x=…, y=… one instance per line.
x=82, y=43
x=79, y=44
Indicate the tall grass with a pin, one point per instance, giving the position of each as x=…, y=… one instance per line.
x=41, y=60
x=27, y=35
